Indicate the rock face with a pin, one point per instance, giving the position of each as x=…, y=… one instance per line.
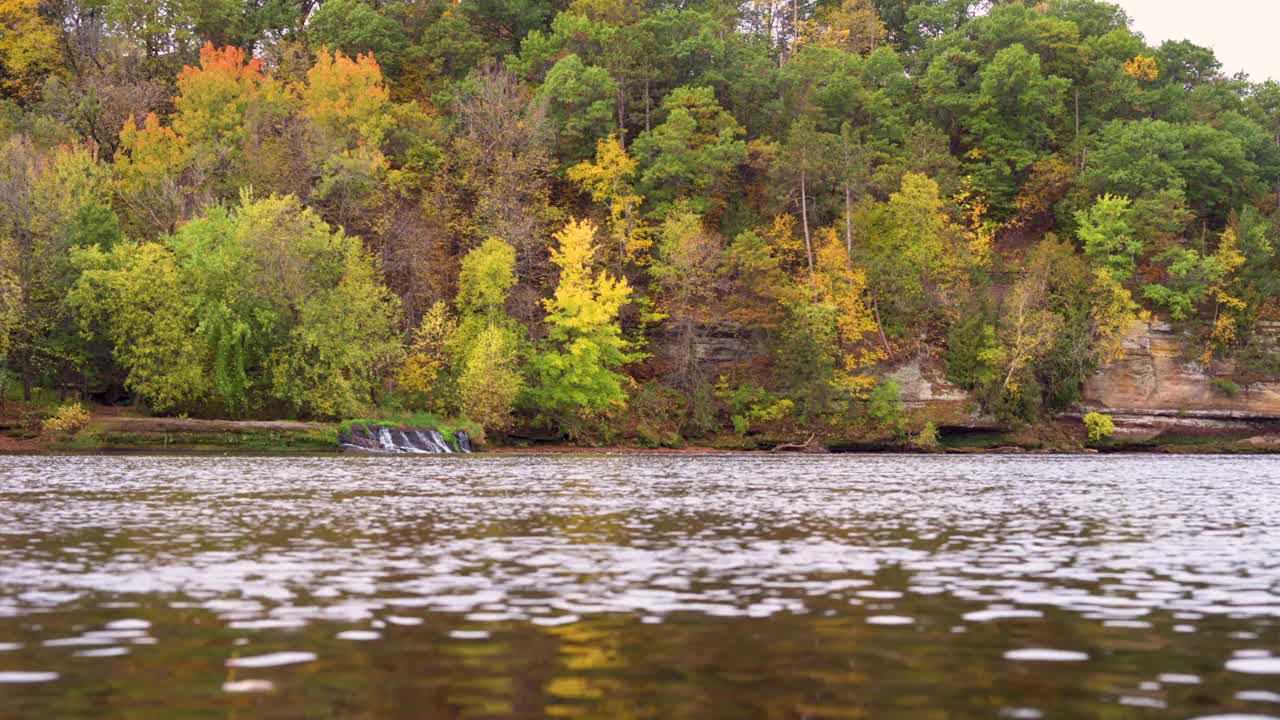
x=1155, y=389
x=923, y=387
x=716, y=346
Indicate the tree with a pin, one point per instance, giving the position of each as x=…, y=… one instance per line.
x=843, y=286
x=693, y=154
x=808, y=157
x=349, y=114
x=10, y=295
x=490, y=380
x=854, y=25
x=609, y=181
x=1011, y=119
x=152, y=183
x=485, y=350
x=136, y=292
x=1193, y=277
x=261, y=308
x=222, y=105
x=48, y=205
x=575, y=370
x=580, y=102
x=684, y=272
x=355, y=28
x=1108, y=241
x=487, y=276
x=427, y=358
x=903, y=249
x=345, y=101
x=29, y=49
x=500, y=170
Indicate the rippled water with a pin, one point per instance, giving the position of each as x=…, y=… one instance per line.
x=640, y=587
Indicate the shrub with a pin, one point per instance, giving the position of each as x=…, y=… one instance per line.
x=885, y=408
x=927, y=438
x=1226, y=386
x=68, y=420
x=1099, y=426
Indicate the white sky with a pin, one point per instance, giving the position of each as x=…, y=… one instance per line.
x=1242, y=33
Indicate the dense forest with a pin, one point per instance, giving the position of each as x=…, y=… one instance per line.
x=546, y=215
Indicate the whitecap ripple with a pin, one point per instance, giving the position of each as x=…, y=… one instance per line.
x=1046, y=655
x=1255, y=665
x=271, y=659
x=15, y=676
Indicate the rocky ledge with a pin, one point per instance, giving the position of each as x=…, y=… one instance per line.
x=1155, y=390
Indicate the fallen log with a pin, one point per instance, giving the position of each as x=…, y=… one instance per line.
x=802, y=447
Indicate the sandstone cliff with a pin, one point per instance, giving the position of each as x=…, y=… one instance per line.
x=1156, y=389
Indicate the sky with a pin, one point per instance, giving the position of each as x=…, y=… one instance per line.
x=1242, y=33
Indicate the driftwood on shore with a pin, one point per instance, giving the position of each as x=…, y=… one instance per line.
x=808, y=446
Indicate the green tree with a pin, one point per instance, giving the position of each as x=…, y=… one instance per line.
x=580, y=102
x=260, y=308
x=1011, y=119
x=135, y=295
x=693, y=154
x=904, y=250
x=1107, y=239
x=485, y=351
x=354, y=27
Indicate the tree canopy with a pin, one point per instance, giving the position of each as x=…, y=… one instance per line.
x=595, y=217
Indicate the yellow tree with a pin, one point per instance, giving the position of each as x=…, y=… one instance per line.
x=844, y=286
x=575, y=372
x=427, y=356
x=1228, y=307
x=346, y=101
x=30, y=51
x=854, y=25
x=608, y=180
x=150, y=167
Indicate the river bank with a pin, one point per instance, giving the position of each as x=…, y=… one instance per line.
x=110, y=431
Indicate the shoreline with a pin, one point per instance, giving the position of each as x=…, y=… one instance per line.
x=120, y=434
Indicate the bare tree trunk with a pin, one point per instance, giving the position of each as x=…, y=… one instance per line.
x=646, y=104
x=1077, y=138
x=875, y=310
x=848, y=220
x=622, y=112
x=804, y=221
x=795, y=24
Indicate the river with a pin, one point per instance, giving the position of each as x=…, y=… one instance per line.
x=653, y=586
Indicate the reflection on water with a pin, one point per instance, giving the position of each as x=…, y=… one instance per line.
x=640, y=587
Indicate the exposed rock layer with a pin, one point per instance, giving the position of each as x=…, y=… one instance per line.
x=1155, y=389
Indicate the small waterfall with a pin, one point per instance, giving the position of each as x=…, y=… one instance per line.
x=385, y=441
x=463, y=439
x=404, y=442
x=382, y=439
x=437, y=440
x=424, y=442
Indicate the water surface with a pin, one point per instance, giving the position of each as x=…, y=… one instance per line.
x=640, y=587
